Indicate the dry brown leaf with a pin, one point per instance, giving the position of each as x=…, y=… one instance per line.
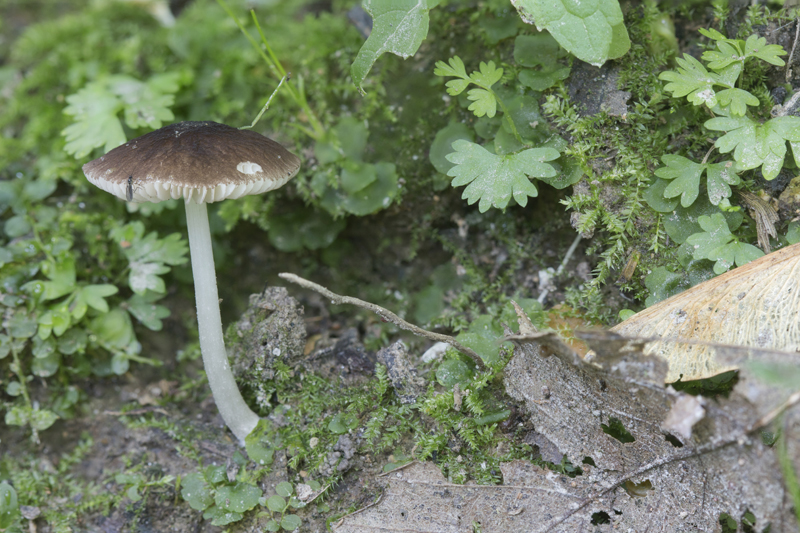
x=754, y=305
x=722, y=467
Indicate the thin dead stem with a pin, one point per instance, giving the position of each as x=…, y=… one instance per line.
x=383, y=313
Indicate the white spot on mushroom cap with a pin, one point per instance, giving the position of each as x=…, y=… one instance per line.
x=248, y=167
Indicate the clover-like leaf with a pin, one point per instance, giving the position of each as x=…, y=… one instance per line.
x=494, y=179
x=686, y=176
x=718, y=244
x=594, y=31
x=398, y=27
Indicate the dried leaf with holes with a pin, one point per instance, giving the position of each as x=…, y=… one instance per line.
x=755, y=305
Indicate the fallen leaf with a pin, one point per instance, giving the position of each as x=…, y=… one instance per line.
x=754, y=305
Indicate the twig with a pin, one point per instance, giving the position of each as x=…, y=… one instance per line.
x=793, y=400
x=266, y=106
x=791, y=54
x=383, y=313
x=567, y=257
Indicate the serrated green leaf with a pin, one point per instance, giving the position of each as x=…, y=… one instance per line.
x=720, y=176
x=592, y=30
x=714, y=243
x=685, y=175
x=453, y=67
x=145, y=277
x=483, y=102
x=725, y=55
x=756, y=46
x=487, y=74
x=398, y=27
x=755, y=144
x=146, y=105
x=143, y=309
x=456, y=87
x=737, y=99
x=713, y=34
x=494, y=179
x=95, y=123
x=691, y=80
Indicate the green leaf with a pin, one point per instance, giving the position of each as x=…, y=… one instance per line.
x=494, y=179
x=355, y=176
x=9, y=505
x=757, y=47
x=452, y=371
x=714, y=243
x=143, y=309
x=144, y=277
x=93, y=296
x=738, y=100
x=398, y=27
x=221, y=517
x=726, y=54
x=304, y=228
x=442, y=144
x=654, y=196
x=454, y=67
x=290, y=522
x=260, y=444
x=483, y=102
x=487, y=75
x=284, y=488
x=146, y=104
x=691, y=80
x=95, y=123
x=239, y=498
x=755, y=144
x=376, y=196
x=685, y=175
x=686, y=179
x=592, y=30
x=272, y=525
x=95, y=110
x=276, y=504
x=113, y=330
x=720, y=177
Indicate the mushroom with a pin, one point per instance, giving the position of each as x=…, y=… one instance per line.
x=201, y=162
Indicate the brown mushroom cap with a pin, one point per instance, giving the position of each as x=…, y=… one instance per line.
x=197, y=161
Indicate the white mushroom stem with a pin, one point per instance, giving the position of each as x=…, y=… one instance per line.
x=235, y=412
